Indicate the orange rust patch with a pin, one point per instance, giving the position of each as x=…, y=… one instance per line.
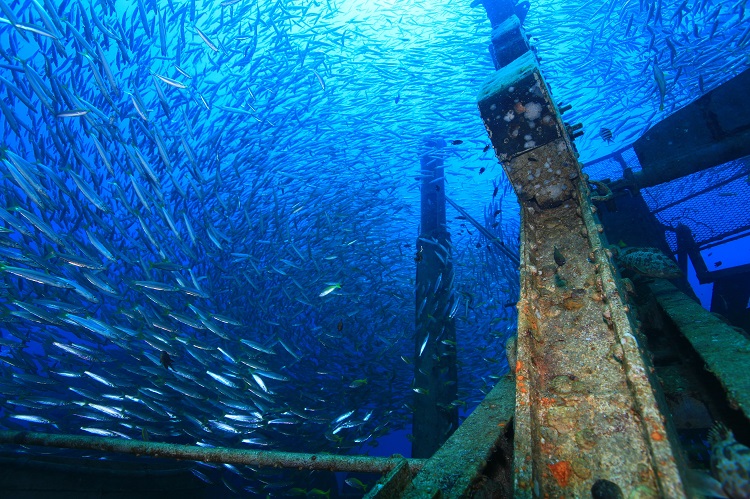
x=519, y=365
x=546, y=401
x=519, y=378
x=655, y=435
x=561, y=471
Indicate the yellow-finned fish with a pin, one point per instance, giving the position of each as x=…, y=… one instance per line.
x=329, y=289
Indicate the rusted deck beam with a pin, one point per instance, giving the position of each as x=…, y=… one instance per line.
x=725, y=351
x=460, y=465
x=585, y=407
x=393, y=484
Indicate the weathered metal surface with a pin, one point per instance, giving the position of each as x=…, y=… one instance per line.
x=725, y=351
x=520, y=117
x=329, y=462
x=393, y=484
x=585, y=407
x=456, y=469
x=517, y=112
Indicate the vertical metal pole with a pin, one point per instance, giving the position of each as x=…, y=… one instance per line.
x=435, y=371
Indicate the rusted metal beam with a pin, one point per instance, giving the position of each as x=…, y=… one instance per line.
x=725, y=351
x=585, y=407
x=459, y=466
x=327, y=462
x=393, y=484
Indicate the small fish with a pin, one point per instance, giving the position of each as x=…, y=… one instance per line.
x=398, y=98
x=329, y=289
x=486, y=148
x=559, y=258
x=661, y=84
x=340, y=326
x=73, y=113
x=166, y=360
x=482, y=170
x=457, y=142
x=36, y=276
x=222, y=379
x=606, y=134
x=32, y=419
x=424, y=344
x=319, y=493
x=343, y=417
x=205, y=39
x=418, y=257
x=630, y=23
x=730, y=462
x=98, y=378
x=170, y=81
x=320, y=80
x=357, y=484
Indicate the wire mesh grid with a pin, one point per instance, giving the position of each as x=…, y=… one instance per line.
x=611, y=167
x=712, y=203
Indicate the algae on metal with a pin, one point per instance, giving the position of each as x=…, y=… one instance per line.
x=459, y=466
x=585, y=407
x=725, y=351
x=393, y=484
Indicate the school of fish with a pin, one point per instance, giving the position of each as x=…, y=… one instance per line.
x=626, y=64
x=207, y=223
